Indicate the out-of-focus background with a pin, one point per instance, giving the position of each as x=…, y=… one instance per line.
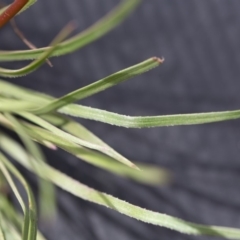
x=200, y=41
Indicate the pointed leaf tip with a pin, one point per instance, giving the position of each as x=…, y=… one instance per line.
x=159, y=60
x=134, y=166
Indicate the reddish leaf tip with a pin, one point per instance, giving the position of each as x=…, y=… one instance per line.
x=159, y=60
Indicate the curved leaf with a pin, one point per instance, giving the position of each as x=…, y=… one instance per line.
x=37, y=63
x=100, y=85
x=30, y=225
x=76, y=110
x=109, y=22
x=82, y=191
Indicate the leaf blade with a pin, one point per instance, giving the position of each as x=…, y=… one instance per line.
x=108, y=23
x=89, y=194
x=120, y=120
x=30, y=225
x=76, y=140
x=100, y=85
x=38, y=62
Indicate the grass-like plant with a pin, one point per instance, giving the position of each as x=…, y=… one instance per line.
x=41, y=119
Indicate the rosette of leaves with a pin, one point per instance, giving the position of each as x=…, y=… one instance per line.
x=41, y=119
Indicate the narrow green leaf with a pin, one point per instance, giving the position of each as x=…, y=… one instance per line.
x=10, y=105
x=9, y=230
x=58, y=132
x=76, y=110
x=8, y=90
x=82, y=191
x=29, y=144
x=30, y=224
x=42, y=136
x=13, y=216
x=26, y=226
x=149, y=174
x=71, y=138
x=13, y=186
x=100, y=85
x=80, y=131
x=82, y=39
x=47, y=191
x=7, y=209
x=37, y=63
x=2, y=234
x=148, y=121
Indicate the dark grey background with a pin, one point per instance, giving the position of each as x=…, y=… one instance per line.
x=199, y=40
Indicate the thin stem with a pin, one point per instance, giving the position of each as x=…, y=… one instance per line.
x=24, y=39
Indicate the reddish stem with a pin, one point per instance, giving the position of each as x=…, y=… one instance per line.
x=11, y=11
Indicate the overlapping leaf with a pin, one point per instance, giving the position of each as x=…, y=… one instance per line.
x=89, y=194
x=82, y=39
x=76, y=110
x=37, y=63
x=38, y=117
x=47, y=190
x=11, y=215
x=30, y=224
